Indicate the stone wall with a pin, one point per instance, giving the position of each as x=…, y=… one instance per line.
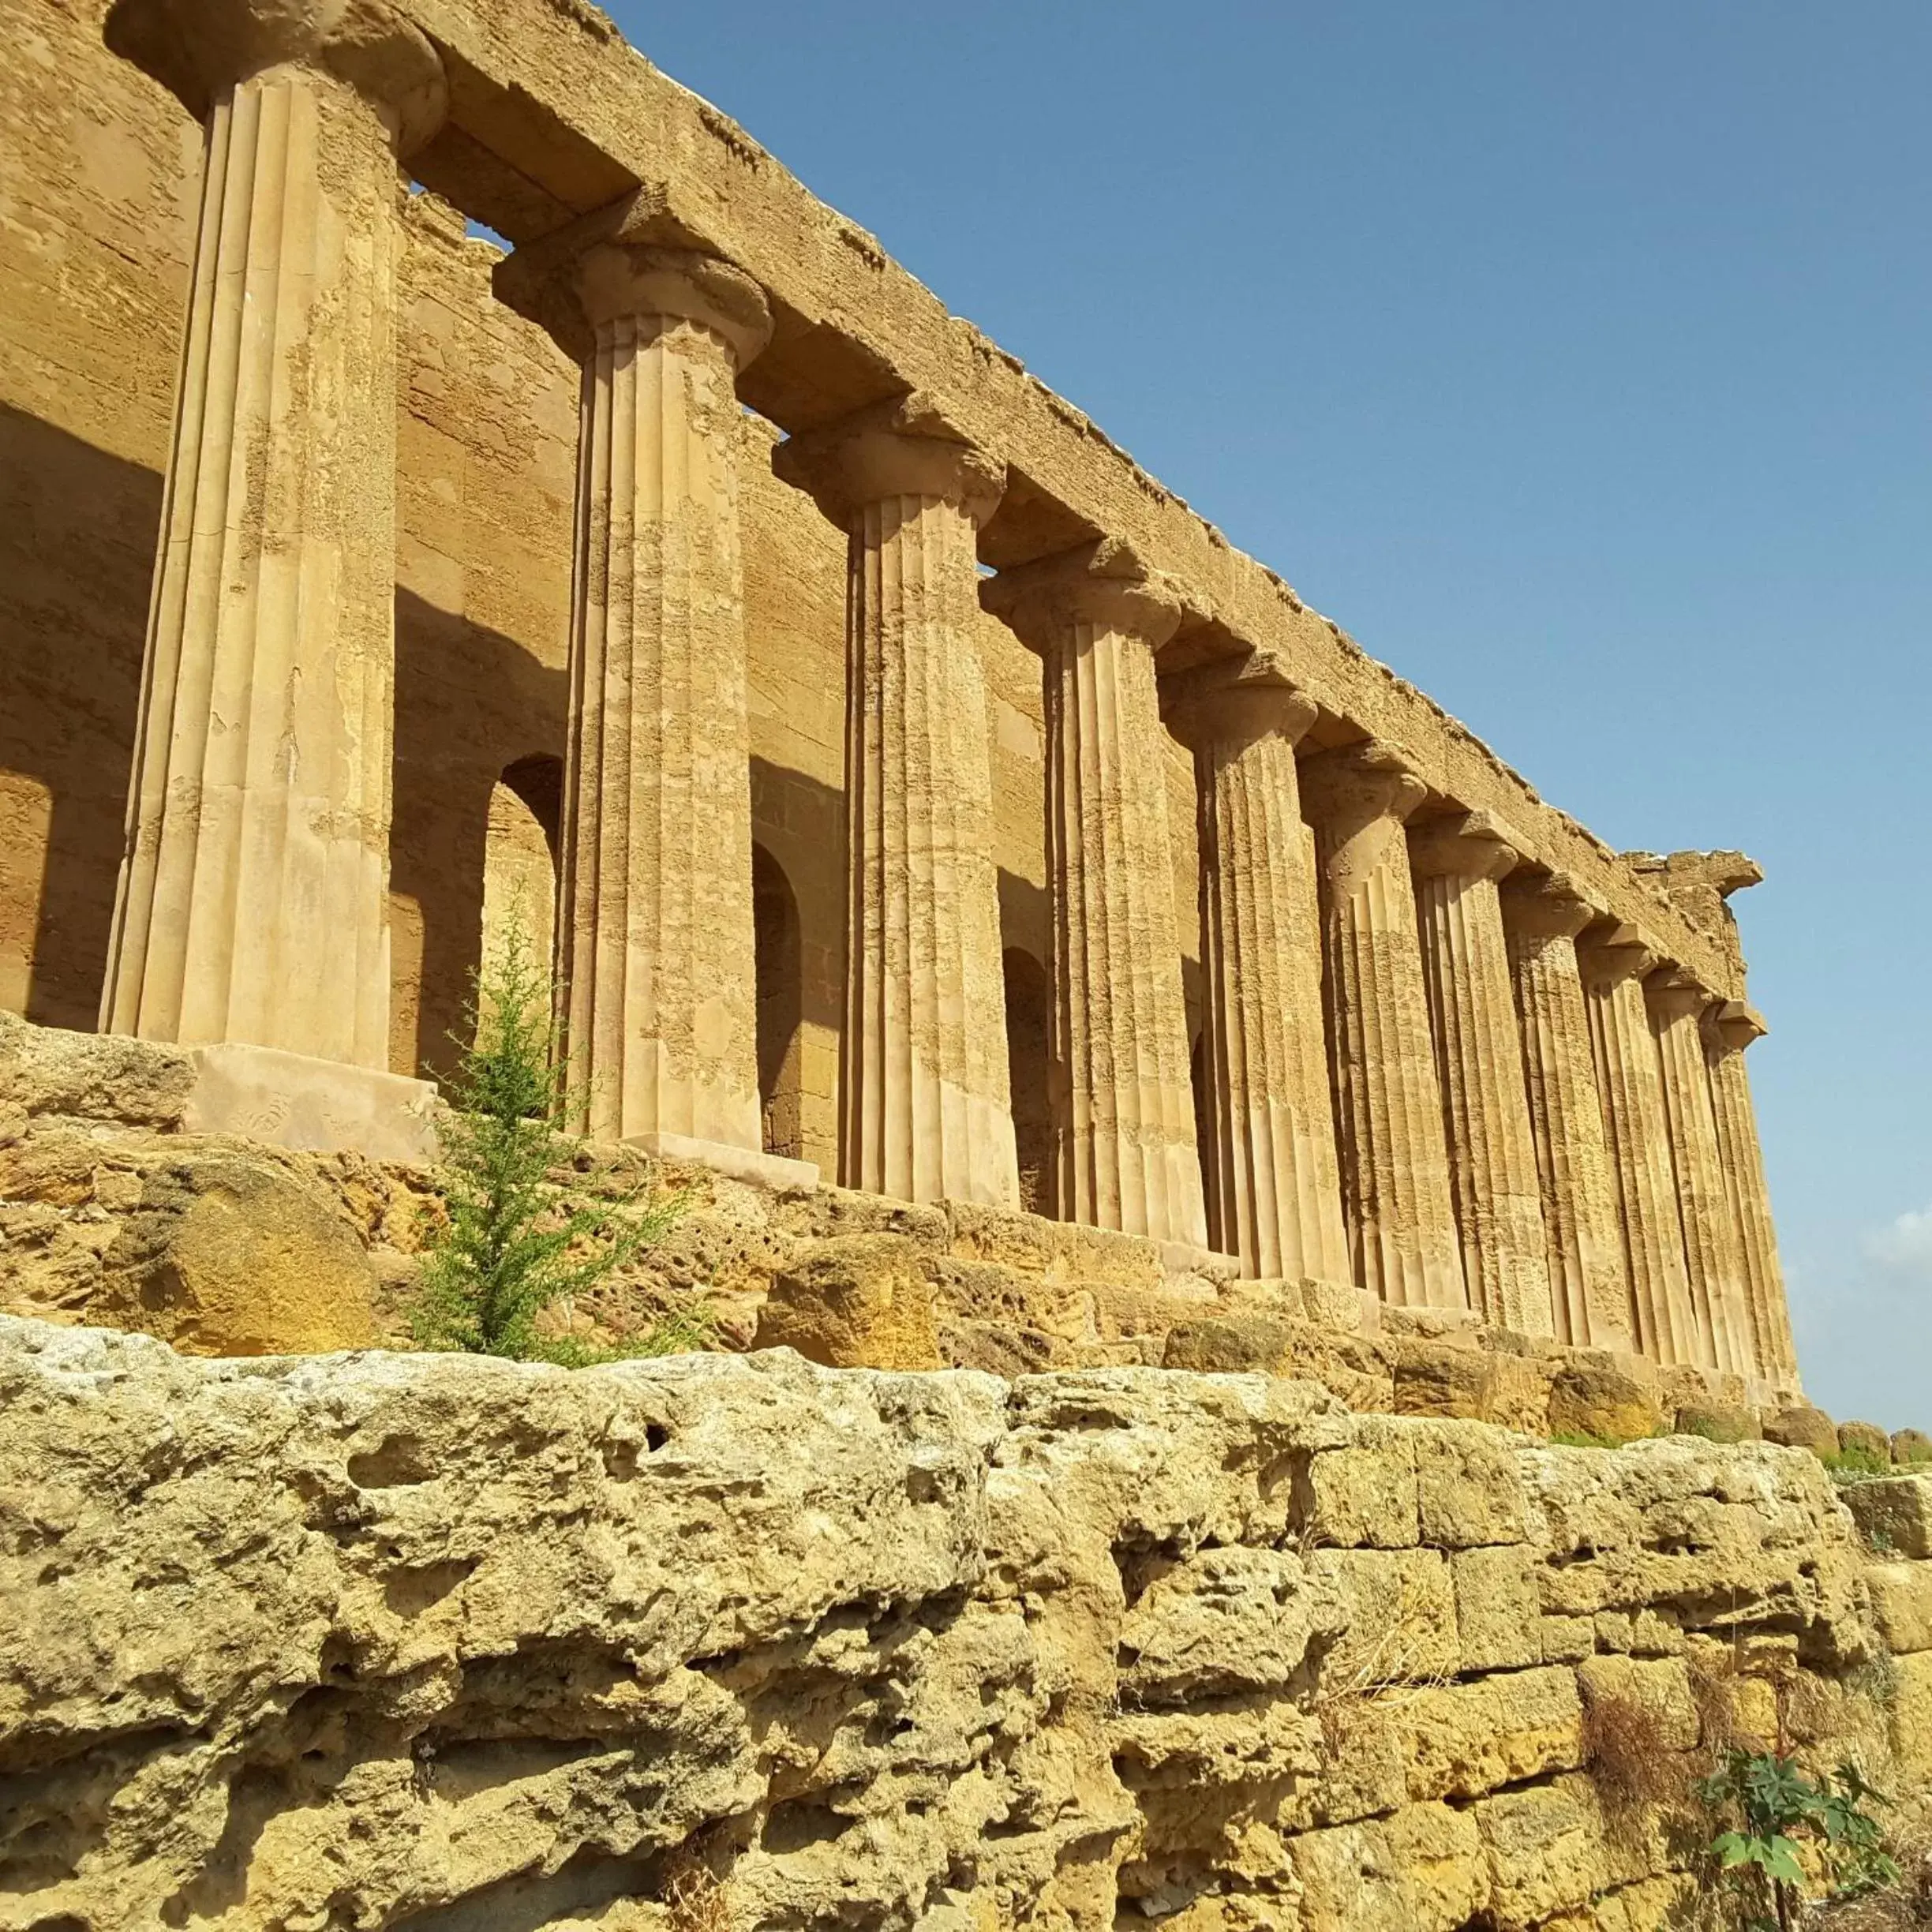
x=395, y=1641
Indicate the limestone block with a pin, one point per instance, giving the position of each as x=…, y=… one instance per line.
x=1469, y=1488
x=1364, y=1492
x=1546, y=1855
x=1499, y=1610
x=1421, y=1870
x=96, y=1076
x=858, y=1301
x=1243, y=1744
x=1910, y=1445
x=1225, y=1620
x=226, y=1254
x=1448, y=1380
x=1911, y=1716
x=1894, y=1514
x=1354, y=1367
x=1398, y=1607
x=1593, y=1395
x=1567, y=1639
x=1467, y=1739
x=1717, y=1422
x=1803, y=1429
x=1660, y=1687
x=1867, y=1436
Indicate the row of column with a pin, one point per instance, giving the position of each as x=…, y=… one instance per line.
x=1418, y=1078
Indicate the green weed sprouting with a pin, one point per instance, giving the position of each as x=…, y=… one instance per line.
x=516, y=1241
x=1778, y=1810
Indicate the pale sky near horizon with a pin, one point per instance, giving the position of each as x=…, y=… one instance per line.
x=1575, y=360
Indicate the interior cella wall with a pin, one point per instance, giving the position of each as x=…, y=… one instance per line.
x=392, y=1642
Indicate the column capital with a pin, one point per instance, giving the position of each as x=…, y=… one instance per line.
x=1734, y=1025
x=1229, y=702
x=1672, y=993
x=1609, y=953
x=196, y=49
x=1547, y=905
x=1104, y=582
x=609, y=265
x=903, y=446
x=1471, y=845
x=1355, y=784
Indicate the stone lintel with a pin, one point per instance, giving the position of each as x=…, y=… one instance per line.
x=774, y=1171
x=1105, y=582
x=905, y=446
x=292, y=1100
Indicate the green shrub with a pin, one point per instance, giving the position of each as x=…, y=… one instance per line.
x=1776, y=1809
x=517, y=1241
x=1846, y=1466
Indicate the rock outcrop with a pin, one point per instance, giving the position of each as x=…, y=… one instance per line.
x=384, y=1641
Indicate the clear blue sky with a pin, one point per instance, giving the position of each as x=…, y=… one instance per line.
x=1575, y=359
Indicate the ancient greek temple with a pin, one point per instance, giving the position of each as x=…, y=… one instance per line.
x=914, y=794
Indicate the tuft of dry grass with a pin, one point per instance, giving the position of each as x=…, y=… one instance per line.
x=1627, y=1751
x=696, y=1898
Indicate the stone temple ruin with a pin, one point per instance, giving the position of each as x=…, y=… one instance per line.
x=1229, y=1162
x=876, y=768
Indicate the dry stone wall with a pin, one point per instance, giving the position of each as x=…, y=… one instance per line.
x=382, y=1640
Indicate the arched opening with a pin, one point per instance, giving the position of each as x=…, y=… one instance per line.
x=520, y=857
x=1029, y=999
x=781, y=982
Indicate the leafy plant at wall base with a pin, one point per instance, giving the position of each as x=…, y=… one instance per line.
x=515, y=1242
x=1854, y=1466
x=1778, y=1810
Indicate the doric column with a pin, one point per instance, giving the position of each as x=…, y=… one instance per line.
x=654, y=933
x=1630, y=1081
x=1589, y=1290
x=1712, y=1244
x=1274, y=1194
x=927, y=1110
x=1493, y=1164
x=1395, y=1190
x=1727, y=1031
x=253, y=898
x=1124, y=1113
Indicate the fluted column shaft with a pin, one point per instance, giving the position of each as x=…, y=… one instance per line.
x=654, y=932
x=1726, y=1033
x=1395, y=1188
x=253, y=903
x=927, y=1110
x=1124, y=1104
x=1713, y=1257
x=1584, y=1246
x=1629, y=1082
x=1493, y=1162
x=1274, y=1193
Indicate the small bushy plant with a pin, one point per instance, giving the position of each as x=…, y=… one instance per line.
x=516, y=1242
x=1778, y=1810
x=1855, y=1465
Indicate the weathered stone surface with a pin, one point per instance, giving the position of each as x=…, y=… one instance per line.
x=91, y=1076
x=1910, y=1445
x=862, y=1301
x=1355, y=1367
x=227, y=1255
x=424, y=1641
x=1594, y=1396
x=1866, y=1436
x=1803, y=1429
x=1895, y=1514
x=1718, y=1422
